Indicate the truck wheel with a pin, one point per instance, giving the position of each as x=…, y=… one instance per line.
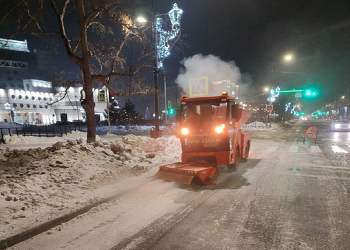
x=234, y=166
x=247, y=148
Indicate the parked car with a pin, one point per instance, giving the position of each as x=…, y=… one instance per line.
x=340, y=125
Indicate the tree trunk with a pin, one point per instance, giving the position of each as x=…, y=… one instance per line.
x=89, y=106
x=88, y=103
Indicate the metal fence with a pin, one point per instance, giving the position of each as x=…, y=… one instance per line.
x=41, y=131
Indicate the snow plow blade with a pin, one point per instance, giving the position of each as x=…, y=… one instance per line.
x=184, y=173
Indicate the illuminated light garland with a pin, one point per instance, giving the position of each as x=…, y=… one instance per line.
x=273, y=94
x=287, y=106
x=163, y=36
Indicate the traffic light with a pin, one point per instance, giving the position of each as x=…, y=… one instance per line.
x=311, y=93
x=111, y=95
x=111, y=98
x=171, y=111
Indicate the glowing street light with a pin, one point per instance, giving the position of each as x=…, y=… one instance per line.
x=141, y=19
x=288, y=57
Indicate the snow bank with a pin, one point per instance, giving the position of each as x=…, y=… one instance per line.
x=38, y=184
x=35, y=140
x=262, y=126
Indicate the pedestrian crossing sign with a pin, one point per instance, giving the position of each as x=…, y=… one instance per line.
x=269, y=108
x=198, y=86
x=102, y=96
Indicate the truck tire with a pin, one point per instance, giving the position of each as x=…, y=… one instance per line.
x=247, y=149
x=234, y=166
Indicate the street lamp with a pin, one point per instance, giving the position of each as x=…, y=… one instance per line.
x=141, y=19
x=162, y=50
x=288, y=57
x=161, y=38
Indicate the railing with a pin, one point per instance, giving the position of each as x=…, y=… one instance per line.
x=41, y=131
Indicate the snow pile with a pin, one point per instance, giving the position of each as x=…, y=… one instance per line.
x=134, y=128
x=20, y=139
x=261, y=126
x=39, y=184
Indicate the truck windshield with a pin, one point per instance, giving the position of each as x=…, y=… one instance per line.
x=204, y=113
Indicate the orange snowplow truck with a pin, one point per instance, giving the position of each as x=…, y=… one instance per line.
x=210, y=134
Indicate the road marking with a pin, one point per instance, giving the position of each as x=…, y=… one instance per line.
x=316, y=149
x=326, y=167
x=324, y=177
x=337, y=149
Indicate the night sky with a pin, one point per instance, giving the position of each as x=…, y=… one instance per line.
x=257, y=34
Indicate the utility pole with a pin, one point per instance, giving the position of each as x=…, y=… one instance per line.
x=165, y=100
x=107, y=102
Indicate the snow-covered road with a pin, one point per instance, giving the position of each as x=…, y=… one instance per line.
x=287, y=196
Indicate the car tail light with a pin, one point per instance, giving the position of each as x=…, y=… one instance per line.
x=185, y=131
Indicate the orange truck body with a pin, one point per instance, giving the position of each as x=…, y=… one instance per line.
x=211, y=137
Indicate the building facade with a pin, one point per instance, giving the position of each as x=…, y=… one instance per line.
x=26, y=92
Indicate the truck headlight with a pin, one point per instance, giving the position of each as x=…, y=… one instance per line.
x=219, y=129
x=185, y=131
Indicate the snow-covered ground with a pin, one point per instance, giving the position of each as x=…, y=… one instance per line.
x=43, y=178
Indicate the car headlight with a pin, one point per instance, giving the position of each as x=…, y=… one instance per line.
x=185, y=131
x=337, y=125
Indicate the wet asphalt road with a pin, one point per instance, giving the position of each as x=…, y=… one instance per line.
x=289, y=195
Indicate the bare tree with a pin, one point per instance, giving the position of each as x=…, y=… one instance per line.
x=95, y=34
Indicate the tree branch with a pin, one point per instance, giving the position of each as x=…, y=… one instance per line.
x=60, y=17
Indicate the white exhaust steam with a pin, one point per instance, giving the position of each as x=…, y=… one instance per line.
x=199, y=67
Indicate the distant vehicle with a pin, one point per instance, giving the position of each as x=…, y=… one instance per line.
x=340, y=125
x=305, y=118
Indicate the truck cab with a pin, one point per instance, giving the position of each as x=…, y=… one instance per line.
x=209, y=130
x=211, y=135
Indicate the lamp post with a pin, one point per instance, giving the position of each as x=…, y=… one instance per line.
x=155, y=81
x=286, y=58
x=165, y=100
x=275, y=93
x=162, y=49
x=161, y=38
